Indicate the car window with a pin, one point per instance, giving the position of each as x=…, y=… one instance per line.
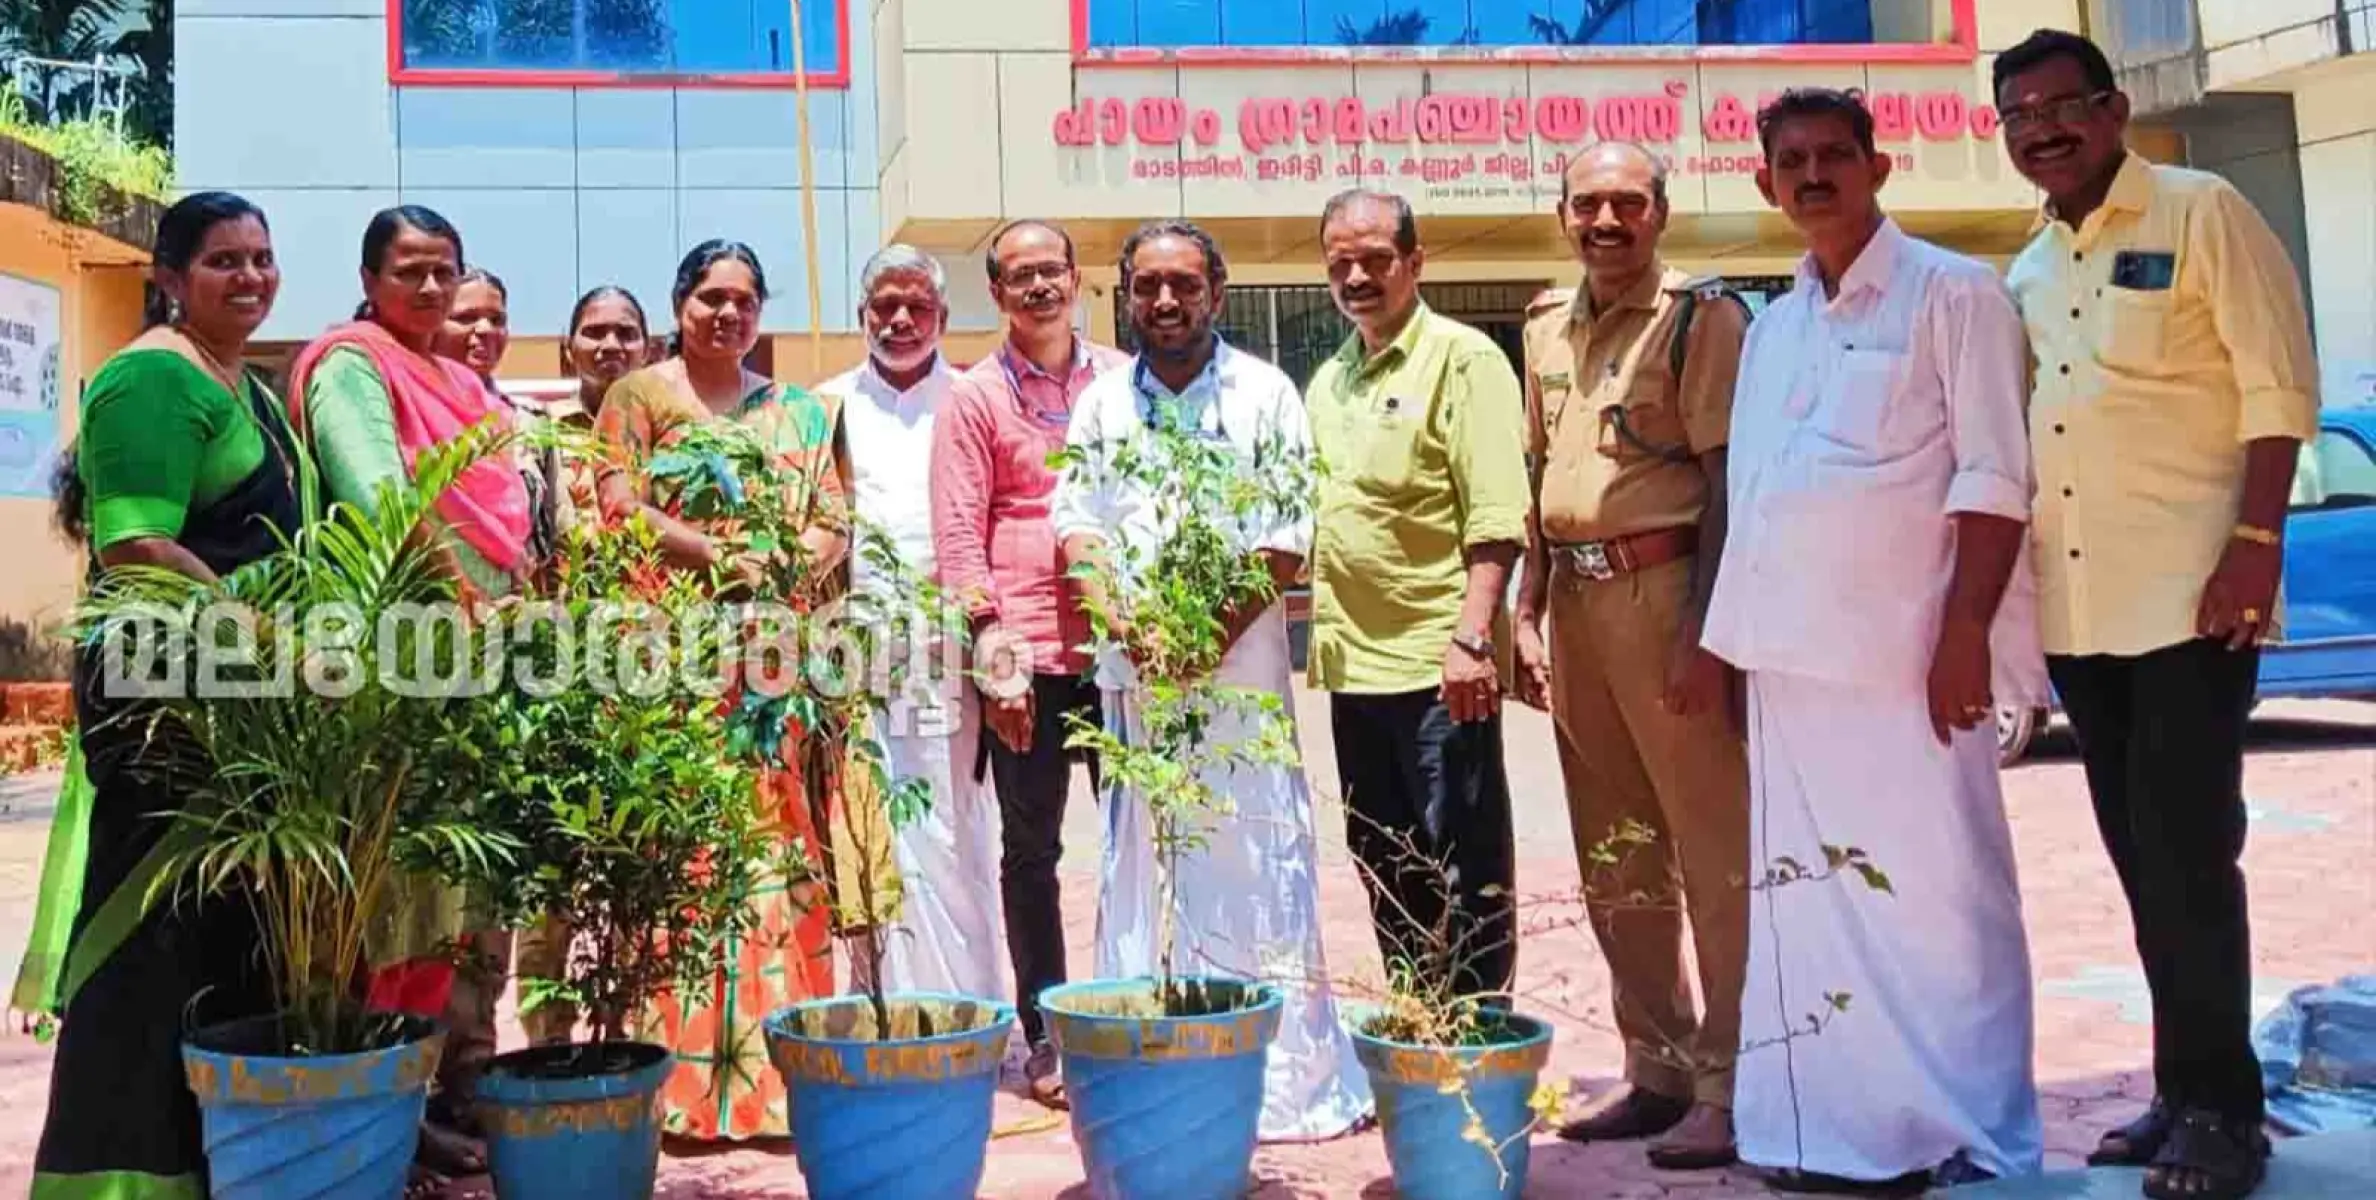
x=2339, y=472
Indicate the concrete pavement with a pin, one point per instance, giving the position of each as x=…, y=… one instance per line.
x=2311, y=781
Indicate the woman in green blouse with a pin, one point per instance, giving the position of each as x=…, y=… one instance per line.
x=184, y=463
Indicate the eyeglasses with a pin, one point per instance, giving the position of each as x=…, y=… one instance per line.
x=2062, y=110
x=887, y=309
x=1187, y=289
x=1030, y=273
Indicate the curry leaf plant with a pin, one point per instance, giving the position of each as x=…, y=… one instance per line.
x=307, y=786
x=1165, y=607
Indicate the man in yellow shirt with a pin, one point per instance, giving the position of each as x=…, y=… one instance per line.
x=2174, y=387
x=1419, y=424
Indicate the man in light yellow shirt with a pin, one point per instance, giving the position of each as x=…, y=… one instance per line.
x=2174, y=387
x=1420, y=426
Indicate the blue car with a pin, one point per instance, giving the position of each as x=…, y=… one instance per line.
x=2329, y=644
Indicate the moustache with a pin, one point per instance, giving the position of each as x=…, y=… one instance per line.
x=1817, y=191
x=2060, y=143
x=1609, y=237
x=1041, y=297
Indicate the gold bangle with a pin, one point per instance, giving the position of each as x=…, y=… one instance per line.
x=2256, y=535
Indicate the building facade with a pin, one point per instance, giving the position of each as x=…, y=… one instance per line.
x=577, y=142
x=2280, y=97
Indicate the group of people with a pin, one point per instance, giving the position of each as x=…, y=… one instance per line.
x=1773, y=577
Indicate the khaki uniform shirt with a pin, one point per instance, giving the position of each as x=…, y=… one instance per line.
x=1423, y=451
x=2168, y=331
x=1583, y=368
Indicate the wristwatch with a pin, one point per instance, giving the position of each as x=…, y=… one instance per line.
x=1479, y=644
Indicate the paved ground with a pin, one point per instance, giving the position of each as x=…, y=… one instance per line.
x=2312, y=781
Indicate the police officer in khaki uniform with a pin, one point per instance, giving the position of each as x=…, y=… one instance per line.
x=1629, y=391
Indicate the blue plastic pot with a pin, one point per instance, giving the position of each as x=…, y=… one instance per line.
x=1423, y=1122
x=907, y=1116
x=1163, y=1108
x=332, y=1126
x=580, y=1122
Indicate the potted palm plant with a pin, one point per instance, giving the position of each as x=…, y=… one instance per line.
x=311, y=686
x=1139, y=1052
x=867, y=1070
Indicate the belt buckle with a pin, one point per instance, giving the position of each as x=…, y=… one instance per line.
x=1591, y=559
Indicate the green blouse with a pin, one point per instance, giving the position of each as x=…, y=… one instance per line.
x=351, y=426
x=160, y=439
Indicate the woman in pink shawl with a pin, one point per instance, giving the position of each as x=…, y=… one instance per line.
x=368, y=398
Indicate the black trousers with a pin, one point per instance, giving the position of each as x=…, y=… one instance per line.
x=2162, y=737
x=1031, y=793
x=1427, y=815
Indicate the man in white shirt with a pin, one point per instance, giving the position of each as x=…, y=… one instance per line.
x=949, y=933
x=1247, y=902
x=1880, y=487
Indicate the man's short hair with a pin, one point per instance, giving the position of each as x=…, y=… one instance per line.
x=1216, y=271
x=2044, y=46
x=899, y=259
x=1406, y=222
x=990, y=256
x=1802, y=102
x=1658, y=169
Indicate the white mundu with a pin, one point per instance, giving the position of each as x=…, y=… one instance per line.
x=1248, y=898
x=951, y=933
x=1862, y=423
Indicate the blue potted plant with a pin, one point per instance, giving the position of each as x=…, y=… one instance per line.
x=874, y=1070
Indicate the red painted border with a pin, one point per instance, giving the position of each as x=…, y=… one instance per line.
x=504, y=77
x=1964, y=48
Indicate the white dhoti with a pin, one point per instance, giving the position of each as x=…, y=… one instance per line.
x=1932, y=1056
x=1248, y=902
x=951, y=931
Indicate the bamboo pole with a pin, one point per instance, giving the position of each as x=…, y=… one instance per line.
x=808, y=201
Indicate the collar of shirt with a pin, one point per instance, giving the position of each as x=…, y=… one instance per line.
x=928, y=389
x=1870, y=272
x=1187, y=406
x=1361, y=364
x=1642, y=293
x=2132, y=192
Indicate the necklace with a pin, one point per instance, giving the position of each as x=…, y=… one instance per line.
x=224, y=373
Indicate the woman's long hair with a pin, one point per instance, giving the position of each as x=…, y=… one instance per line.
x=387, y=223
x=180, y=231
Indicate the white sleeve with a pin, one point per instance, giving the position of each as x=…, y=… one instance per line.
x=1084, y=499
x=1983, y=361
x=1287, y=433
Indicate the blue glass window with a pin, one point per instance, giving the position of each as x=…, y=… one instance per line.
x=632, y=36
x=1191, y=23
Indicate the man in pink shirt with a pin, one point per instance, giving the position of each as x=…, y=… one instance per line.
x=997, y=555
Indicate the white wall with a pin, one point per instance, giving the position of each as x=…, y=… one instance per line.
x=2336, y=119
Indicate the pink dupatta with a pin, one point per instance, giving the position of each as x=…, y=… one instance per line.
x=435, y=401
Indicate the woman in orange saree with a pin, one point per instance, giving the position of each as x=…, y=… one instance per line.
x=723, y=1087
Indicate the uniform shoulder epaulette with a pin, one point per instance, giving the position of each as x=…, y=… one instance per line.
x=1706, y=287
x=1549, y=299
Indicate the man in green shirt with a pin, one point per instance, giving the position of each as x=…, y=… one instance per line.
x=1420, y=424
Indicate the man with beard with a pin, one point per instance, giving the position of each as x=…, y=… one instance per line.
x=2175, y=386
x=1421, y=424
x=946, y=936
x=1246, y=897
x=1880, y=481
x=1629, y=398
x=998, y=557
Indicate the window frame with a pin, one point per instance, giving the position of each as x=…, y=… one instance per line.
x=1963, y=47
x=837, y=79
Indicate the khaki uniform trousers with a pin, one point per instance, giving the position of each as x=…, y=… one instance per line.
x=1626, y=760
